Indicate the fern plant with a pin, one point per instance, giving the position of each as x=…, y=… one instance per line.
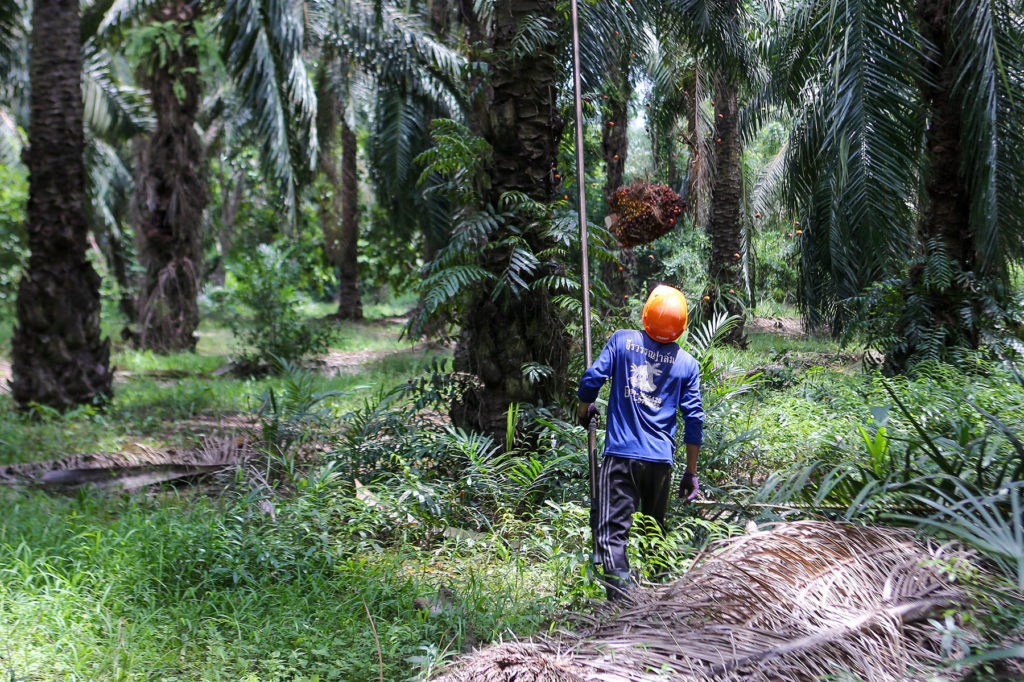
x=901, y=317
x=508, y=248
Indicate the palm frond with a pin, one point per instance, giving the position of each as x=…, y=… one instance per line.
x=854, y=155
x=768, y=189
x=1002, y=240
x=11, y=139
x=448, y=283
x=12, y=29
x=263, y=47
x=397, y=48
x=717, y=29
x=803, y=601
x=119, y=14
x=112, y=110
x=14, y=56
x=108, y=186
x=610, y=33
x=993, y=523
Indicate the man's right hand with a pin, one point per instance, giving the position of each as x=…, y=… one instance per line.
x=586, y=413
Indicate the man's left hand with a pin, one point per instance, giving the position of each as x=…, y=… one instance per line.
x=689, y=487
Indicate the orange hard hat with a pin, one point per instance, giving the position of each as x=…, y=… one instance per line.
x=665, y=314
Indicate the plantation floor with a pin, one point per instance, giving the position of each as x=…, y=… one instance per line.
x=237, y=581
x=176, y=400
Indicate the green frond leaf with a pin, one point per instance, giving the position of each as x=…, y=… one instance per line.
x=263, y=47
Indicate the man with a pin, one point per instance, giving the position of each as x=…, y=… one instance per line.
x=652, y=378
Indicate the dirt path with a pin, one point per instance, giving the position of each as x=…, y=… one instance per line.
x=784, y=326
x=349, y=362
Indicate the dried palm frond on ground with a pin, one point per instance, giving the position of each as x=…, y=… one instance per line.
x=131, y=469
x=805, y=601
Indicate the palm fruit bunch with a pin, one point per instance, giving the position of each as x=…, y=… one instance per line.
x=643, y=211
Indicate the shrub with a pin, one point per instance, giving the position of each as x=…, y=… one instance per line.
x=13, y=247
x=277, y=333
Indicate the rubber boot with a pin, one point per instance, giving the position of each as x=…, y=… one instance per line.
x=617, y=585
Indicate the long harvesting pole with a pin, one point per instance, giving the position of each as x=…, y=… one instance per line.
x=581, y=196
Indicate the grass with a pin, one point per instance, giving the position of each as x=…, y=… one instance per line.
x=156, y=411
x=185, y=588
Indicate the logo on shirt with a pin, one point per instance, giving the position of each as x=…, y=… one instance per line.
x=641, y=384
x=641, y=377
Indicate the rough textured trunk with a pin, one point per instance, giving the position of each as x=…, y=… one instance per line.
x=171, y=194
x=331, y=203
x=945, y=213
x=663, y=146
x=614, y=149
x=614, y=138
x=350, y=306
x=518, y=115
x=725, y=212
x=945, y=208
x=440, y=16
x=692, y=162
x=59, y=358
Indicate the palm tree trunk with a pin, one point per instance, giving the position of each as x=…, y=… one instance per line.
x=331, y=203
x=171, y=193
x=694, y=161
x=945, y=208
x=518, y=116
x=946, y=211
x=725, y=211
x=59, y=358
x=614, y=129
x=440, y=17
x=349, y=304
x=614, y=149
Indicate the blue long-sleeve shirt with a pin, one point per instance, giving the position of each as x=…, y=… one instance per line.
x=650, y=381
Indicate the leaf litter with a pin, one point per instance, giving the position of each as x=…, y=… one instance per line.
x=802, y=601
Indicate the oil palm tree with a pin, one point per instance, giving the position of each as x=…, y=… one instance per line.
x=386, y=57
x=613, y=43
x=517, y=113
x=59, y=356
x=171, y=192
x=671, y=69
x=717, y=32
x=905, y=164
x=113, y=115
x=261, y=43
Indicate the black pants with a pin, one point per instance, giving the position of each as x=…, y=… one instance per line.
x=622, y=485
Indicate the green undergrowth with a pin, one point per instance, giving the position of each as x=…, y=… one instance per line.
x=446, y=540
x=174, y=400
x=183, y=586
x=189, y=588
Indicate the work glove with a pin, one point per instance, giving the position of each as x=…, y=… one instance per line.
x=591, y=415
x=689, y=487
